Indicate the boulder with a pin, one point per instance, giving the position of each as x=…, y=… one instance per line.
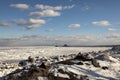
x=42, y=66
x=83, y=57
x=30, y=59
x=95, y=63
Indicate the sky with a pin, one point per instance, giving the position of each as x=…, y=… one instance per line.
x=50, y=22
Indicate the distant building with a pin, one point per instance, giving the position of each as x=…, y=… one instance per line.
x=65, y=45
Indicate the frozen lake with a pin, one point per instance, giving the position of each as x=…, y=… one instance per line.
x=20, y=53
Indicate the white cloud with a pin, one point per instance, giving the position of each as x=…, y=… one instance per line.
x=20, y=6
x=113, y=36
x=31, y=23
x=48, y=11
x=45, y=13
x=101, y=23
x=4, y=23
x=69, y=7
x=112, y=29
x=44, y=7
x=60, y=40
x=74, y=26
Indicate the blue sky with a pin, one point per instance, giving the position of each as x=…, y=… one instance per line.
x=65, y=18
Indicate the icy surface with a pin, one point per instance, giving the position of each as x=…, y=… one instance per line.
x=20, y=53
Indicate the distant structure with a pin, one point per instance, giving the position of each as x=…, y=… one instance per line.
x=65, y=45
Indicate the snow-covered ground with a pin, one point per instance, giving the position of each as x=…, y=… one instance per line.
x=20, y=53
x=94, y=73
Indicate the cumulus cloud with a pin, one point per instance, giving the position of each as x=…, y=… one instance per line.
x=31, y=23
x=112, y=29
x=44, y=7
x=49, y=11
x=45, y=13
x=74, y=26
x=5, y=23
x=20, y=6
x=101, y=23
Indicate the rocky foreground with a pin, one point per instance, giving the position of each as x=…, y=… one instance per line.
x=102, y=65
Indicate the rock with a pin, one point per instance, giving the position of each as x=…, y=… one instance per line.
x=95, y=63
x=83, y=57
x=77, y=77
x=61, y=71
x=104, y=67
x=84, y=77
x=22, y=63
x=37, y=58
x=57, y=58
x=116, y=48
x=72, y=56
x=106, y=56
x=89, y=56
x=30, y=59
x=80, y=63
x=66, y=62
x=44, y=59
x=42, y=66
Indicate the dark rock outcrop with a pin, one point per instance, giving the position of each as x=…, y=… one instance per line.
x=83, y=57
x=116, y=48
x=42, y=66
